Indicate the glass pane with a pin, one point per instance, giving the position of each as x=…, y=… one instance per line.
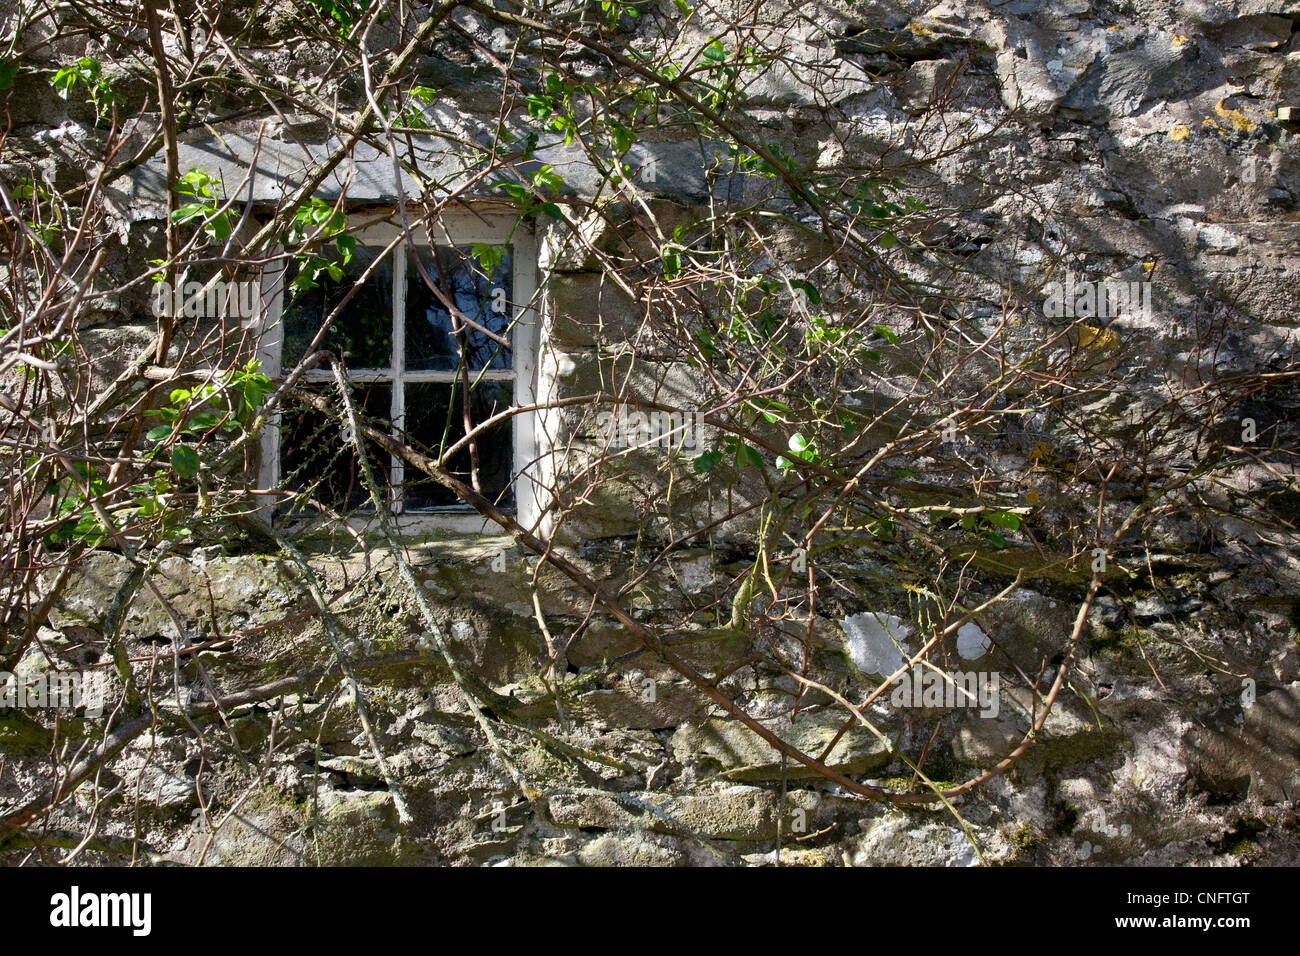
x=314, y=459
x=435, y=419
x=362, y=334
x=431, y=342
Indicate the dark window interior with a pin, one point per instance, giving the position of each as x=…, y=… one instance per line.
x=312, y=454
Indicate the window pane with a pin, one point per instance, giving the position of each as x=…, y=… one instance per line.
x=314, y=459
x=362, y=334
x=435, y=420
x=484, y=299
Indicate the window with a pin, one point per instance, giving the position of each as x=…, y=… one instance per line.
x=414, y=369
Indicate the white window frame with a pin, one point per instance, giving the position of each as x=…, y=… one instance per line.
x=496, y=227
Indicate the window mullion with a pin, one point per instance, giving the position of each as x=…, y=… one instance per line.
x=398, y=363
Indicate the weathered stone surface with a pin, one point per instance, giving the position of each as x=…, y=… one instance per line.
x=899, y=840
x=634, y=849
x=743, y=755
x=747, y=813
x=731, y=813
x=1261, y=757
x=652, y=705
x=1119, y=83
x=1067, y=736
x=589, y=310
x=923, y=80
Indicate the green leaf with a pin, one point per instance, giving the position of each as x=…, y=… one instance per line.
x=623, y=137
x=8, y=70
x=672, y=263
x=707, y=461
x=1003, y=519
x=64, y=80
x=809, y=290
x=346, y=245
x=218, y=227
x=705, y=342
x=998, y=541
x=203, y=422
x=765, y=403
x=748, y=455
x=197, y=183
x=488, y=255
x=190, y=210
x=540, y=107
x=159, y=433
x=798, y=444
x=547, y=178
x=185, y=461
x=886, y=333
